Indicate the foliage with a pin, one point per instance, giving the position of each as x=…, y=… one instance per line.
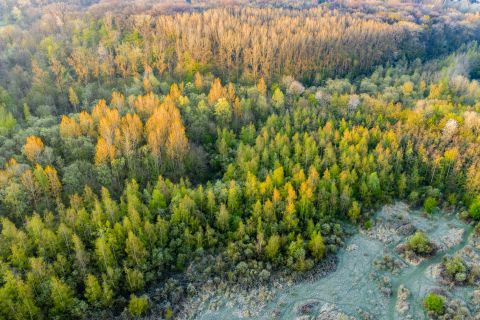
x=475, y=208
x=455, y=268
x=419, y=243
x=430, y=204
x=434, y=303
x=131, y=155
x=137, y=305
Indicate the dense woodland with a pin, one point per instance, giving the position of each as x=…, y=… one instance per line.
x=137, y=147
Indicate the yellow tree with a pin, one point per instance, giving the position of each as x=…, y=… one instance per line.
x=69, y=128
x=33, y=148
x=99, y=110
x=175, y=92
x=131, y=129
x=177, y=143
x=108, y=125
x=118, y=100
x=216, y=91
x=104, y=152
x=157, y=128
x=146, y=105
x=262, y=87
x=54, y=181
x=86, y=124
x=73, y=98
x=198, y=81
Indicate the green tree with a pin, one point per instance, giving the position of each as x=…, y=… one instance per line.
x=138, y=305
x=430, y=204
x=278, y=99
x=62, y=296
x=474, y=208
x=96, y=294
x=223, y=112
x=273, y=247
x=316, y=245
x=354, y=211
x=373, y=184
x=419, y=243
x=135, y=249
x=434, y=303
x=7, y=121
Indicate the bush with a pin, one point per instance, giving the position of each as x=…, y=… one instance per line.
x=430, y=204
x=474, y=209
x=419, y=243
x=434, y=303
x=138, y=305
x=454, y=265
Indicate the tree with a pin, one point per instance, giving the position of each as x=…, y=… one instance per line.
x=105, y=152
x=223, y=218
x=33, y=148
x=419, y=243
x=316, y=245
x=138, y=305
x=7, y=121
x=69, y=128
x=136, y=252
x=198, y=81
x=273, y=247
x=223, y=112
x=278, y=99
x=216, y=91
x=262, y=87
x=373, y=183
x=130, y=134
x=430, y=204
x=95, y=294
x=62, y=297
x=17, y=299
x=135, y=281
x=354, y=211
x=81, y=255
x=474, y=208
x=177, y=142
x=73, y=98
x=434, y=303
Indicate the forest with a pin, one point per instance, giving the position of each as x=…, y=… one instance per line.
x=146, y=149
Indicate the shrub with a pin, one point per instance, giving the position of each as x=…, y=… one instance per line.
x=419, y=243
x=430, y=204
x=454, y=265
x=138, y=305
x=434, y=303
x=474, y=209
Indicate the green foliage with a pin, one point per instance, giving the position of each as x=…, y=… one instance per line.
x=434, y=303
x=138, y=305
x=430, y=204
x=7, y=121
x=62, y=298
x=278, y=99
x=419, y=243
x=455, y=268
x=474, y=209
x=317, y=246
x=252, y=176
x=354, y=211
x=223, y=112
x=96, y=294
x=273, y=247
